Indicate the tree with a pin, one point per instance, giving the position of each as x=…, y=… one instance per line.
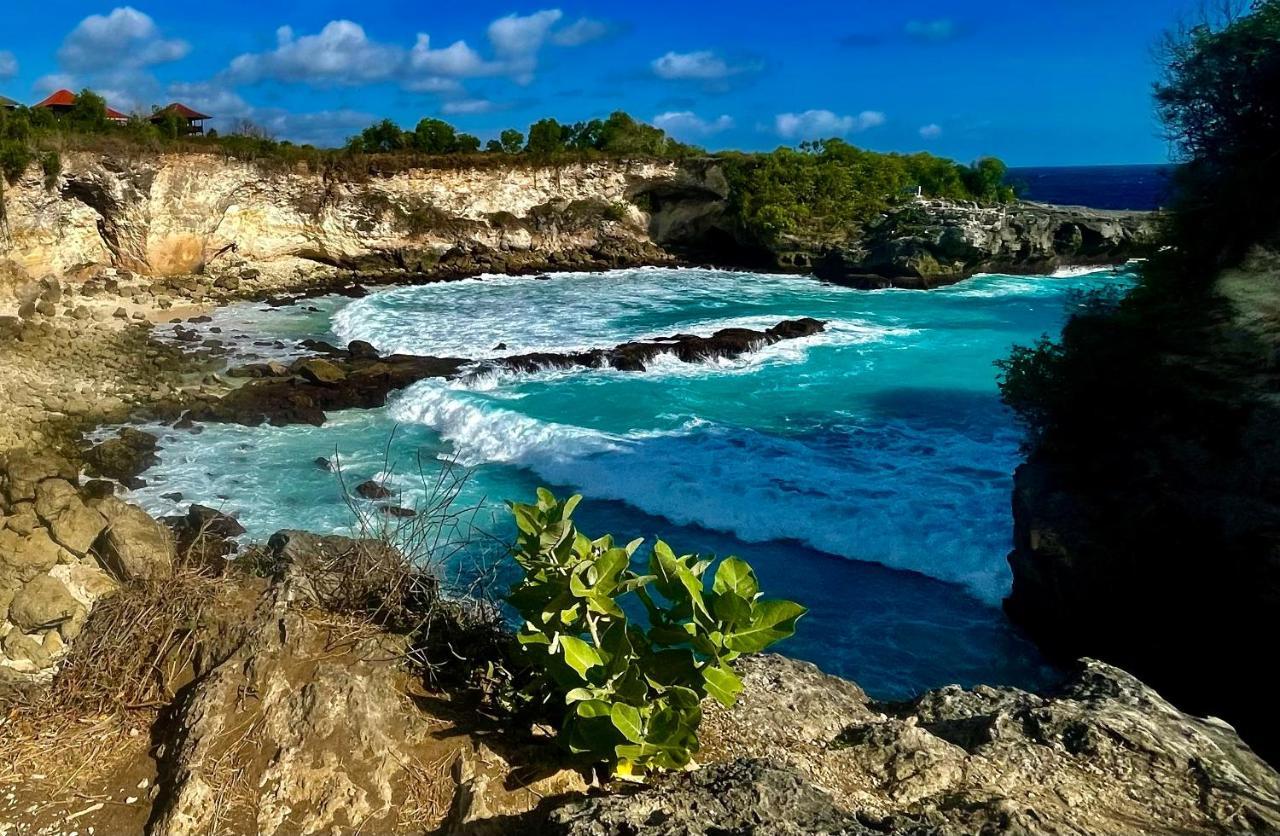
x=380, y=137
x=467, y=144
x=89, y=113
x=621, y=134
x=511, y=141
x=171, y=125
x=435, y=136
x=546, y=137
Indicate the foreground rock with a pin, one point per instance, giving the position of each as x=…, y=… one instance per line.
x=1105, y=754
x=358, y=379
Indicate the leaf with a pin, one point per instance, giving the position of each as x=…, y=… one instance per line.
x=578, y=695
x=671, y=667
x=626, y=719
x=730, y=608
x=771, y=621
x=592, y=708
x=579, y=655
x=722, y=684
x=566, y=510
x=736, y=576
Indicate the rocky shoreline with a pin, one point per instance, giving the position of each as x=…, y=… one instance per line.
x=285, y=712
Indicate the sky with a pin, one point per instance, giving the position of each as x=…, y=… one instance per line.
x=1035, y=82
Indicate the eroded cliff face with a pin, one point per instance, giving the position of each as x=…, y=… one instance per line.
x=179, y=214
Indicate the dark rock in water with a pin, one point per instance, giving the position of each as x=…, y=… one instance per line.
x=500, y=347
x=322, y=347
x=176, y=496
x=124, y=457
x=320, y=372
x=200, y=319
x=397, y=511
x=361, y=350
x=281, y=301
x=728, y=343
x=324, y=464
x=372, y=490
x=202, y=518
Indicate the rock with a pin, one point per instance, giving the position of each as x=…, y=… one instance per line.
x=319, y=372
x=324, y=464
x=361, y=350
x=41, y=603
x=741, y=797
x=201, y=518
x=23, y=523
x=124, y=457
x=372, y=490
x=23, y=558
x=121, y=313
x=397, y=511
x=133, y=546
x=73, y=524
x=1103, y=754
x=23, y=648
x=22, y=470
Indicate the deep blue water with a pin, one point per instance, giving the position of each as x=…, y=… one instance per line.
x=865, y=471
x=1099, y=187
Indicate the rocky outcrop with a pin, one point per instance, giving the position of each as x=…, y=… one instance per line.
x=933, y=243
x=808, y=753
x=359, y=379
x=50, y=578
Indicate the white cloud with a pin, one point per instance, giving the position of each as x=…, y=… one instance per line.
x=932, y=30
x=8, y=65
x=686, y=123
x=582, y=31
x=340, y=54
x=125, y=38
x=931, y=131
x=516, y=40
x=54, y=81
x=703, y=65
x=820, y=124
x=467, y=106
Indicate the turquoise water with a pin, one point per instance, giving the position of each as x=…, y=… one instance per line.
x=864, y=471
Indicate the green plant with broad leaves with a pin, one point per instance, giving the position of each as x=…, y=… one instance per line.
x=632, y=693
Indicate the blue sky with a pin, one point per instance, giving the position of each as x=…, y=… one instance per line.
x=1037, y=82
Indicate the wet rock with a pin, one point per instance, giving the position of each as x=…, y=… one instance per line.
x=324, y=464
x=320, y=372
x=372, y=490
x=361, y=350
x=124, y=457
x=397, y=511
x=43, y=602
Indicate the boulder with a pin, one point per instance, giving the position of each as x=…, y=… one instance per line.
x=362, y=350
x=22, y=470
x=319, y=372
x=20, y=647
x=42, y=603
x=372, y=490
x=133, y=545
x=73, y=524
x=124, y=457
x=23, y=558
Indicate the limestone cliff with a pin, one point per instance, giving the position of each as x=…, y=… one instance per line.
x=168, y=215
x=182, y=214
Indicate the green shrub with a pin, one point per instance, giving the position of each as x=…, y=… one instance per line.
x=632, y=693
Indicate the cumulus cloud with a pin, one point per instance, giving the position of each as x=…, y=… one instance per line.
x=584, y=30
x=517, y=40
x=703, y=65
x=456, y=60
x=340, y=54
x=8, y=65
x=687, y=124
x=819, y=124
x=125, y=38
x=932, y=30
x=468, y=106
x=931, y=131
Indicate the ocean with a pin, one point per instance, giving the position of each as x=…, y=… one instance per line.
x=1143, y=187
x=864, y=471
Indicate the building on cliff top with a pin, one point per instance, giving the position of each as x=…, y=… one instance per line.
x=195, y=119
x=63, y=100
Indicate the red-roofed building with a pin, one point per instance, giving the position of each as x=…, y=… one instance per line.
x=63, y=100
x=194, y=118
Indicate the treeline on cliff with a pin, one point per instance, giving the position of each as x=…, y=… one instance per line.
x=825, y=188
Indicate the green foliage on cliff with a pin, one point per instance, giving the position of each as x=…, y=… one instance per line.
x=632, y=694
x=831, y=188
